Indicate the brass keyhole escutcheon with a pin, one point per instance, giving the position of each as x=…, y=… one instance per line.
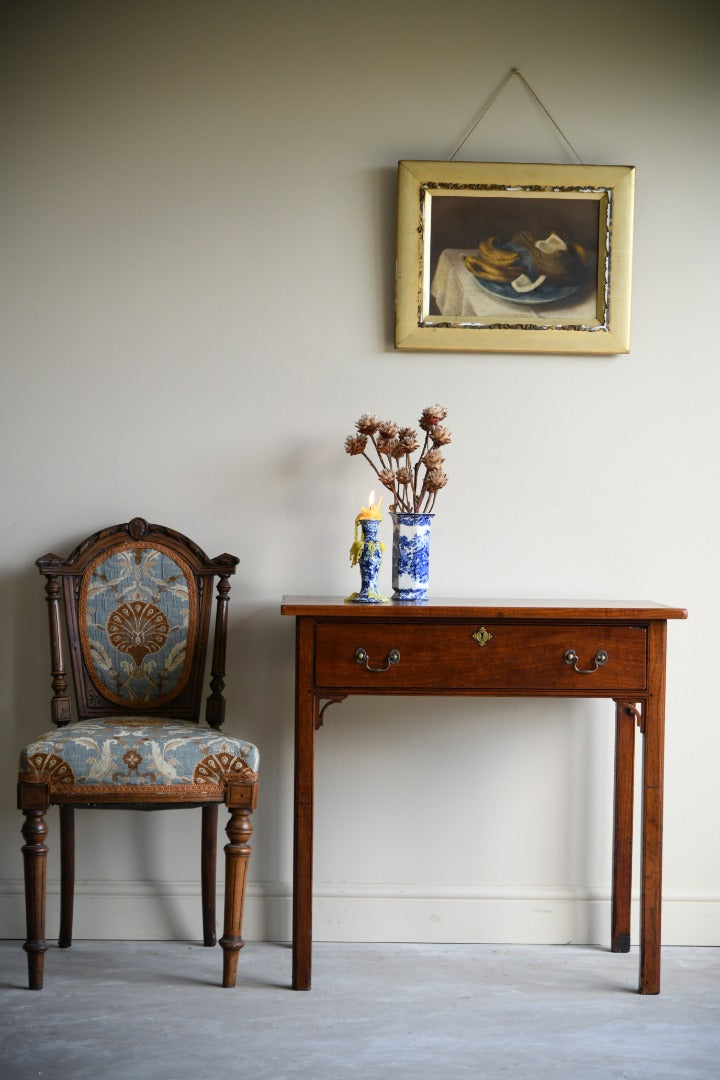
x=482, y=636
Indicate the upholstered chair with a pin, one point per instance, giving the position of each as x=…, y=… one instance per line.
x=134, y=603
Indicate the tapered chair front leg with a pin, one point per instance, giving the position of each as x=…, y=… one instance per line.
x=237, y=853
x=208, y=863
x=33, y=801
x=67, y=875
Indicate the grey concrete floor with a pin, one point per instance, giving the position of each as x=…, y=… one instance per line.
x=155, y=1010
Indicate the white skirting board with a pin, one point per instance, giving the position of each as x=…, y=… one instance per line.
x=462, y=914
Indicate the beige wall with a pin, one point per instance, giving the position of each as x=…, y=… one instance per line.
x=197, y=238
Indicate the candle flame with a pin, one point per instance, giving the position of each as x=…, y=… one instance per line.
x=372, y=510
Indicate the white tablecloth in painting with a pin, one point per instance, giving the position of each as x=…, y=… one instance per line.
x=458, y=293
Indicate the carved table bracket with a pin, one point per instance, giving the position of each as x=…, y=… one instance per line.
x=634, y=709
x=320, y=718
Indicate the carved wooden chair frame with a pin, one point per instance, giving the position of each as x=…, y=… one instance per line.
x=237, y=792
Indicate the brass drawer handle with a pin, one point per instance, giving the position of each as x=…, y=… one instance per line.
x=571, y=659
x=362, y=658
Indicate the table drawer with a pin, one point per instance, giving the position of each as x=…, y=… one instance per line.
x=467, y=656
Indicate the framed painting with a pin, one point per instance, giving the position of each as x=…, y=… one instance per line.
x=506, y=257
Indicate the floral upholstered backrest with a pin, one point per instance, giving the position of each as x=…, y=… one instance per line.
x=138, y=623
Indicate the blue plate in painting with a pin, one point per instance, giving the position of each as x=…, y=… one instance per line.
x=547, y=293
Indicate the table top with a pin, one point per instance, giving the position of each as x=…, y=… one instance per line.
x=445, y=607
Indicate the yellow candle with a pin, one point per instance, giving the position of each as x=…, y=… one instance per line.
x=372, y=510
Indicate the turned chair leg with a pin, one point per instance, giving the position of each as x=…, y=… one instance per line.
x=34, y=852
x=237, y=853
x=67, y=875
x=208, y=862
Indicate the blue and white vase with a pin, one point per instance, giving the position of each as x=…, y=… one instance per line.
x=411, y=555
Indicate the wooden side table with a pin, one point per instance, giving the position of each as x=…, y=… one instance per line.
x=502, y=649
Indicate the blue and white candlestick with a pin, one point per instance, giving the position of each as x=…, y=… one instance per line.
x=367, y=553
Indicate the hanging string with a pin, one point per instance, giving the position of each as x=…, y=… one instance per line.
x=493, y=99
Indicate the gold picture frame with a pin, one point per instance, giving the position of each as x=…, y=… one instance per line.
x=508, y=257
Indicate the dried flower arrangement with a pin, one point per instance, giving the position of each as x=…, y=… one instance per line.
x=414, y=485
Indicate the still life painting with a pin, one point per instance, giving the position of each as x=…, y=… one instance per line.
x=514, y=258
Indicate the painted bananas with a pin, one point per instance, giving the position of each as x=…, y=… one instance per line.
x=491, y=252
x=494, y=263
x=527, y=260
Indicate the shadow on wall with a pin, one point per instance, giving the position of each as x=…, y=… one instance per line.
x=384, y=186
x=259, y=690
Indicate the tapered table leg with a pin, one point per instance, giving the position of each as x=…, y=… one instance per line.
x=625, y=719
x=305, y=716
x=653, y=779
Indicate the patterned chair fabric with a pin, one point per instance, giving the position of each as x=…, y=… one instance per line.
x=138, y=623
x=148, y=753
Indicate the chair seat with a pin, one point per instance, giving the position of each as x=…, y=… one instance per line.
x=145, y=754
